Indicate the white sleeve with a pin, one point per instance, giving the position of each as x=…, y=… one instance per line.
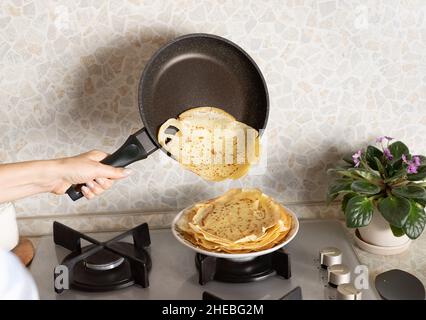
x=16, y=283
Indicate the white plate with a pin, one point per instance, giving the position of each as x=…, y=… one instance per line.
x=237, y=256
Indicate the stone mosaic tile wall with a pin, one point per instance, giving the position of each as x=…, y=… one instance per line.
x=339, y=74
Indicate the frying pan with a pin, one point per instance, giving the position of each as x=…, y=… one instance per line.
x=191, y=71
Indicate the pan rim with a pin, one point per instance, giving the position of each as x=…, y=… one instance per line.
x=196, y=35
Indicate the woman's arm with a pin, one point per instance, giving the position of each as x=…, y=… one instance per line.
x=19, y=180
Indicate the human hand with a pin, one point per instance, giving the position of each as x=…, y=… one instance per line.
x=86, y=169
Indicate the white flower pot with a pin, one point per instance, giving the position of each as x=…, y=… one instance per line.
x=9, y=235
x=379, y=233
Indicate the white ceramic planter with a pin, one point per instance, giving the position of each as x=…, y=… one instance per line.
x=9, y=235
x=379, y=233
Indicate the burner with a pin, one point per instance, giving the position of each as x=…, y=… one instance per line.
x=259, y=268
x=102, y=260
x=104, y=266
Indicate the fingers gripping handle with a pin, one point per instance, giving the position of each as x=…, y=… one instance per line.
x=137, y=147
x=121, y=158
x=74, y=192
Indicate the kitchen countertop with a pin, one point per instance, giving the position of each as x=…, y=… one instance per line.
x=413, y=260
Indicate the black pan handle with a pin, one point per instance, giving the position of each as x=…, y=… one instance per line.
x=137, y=147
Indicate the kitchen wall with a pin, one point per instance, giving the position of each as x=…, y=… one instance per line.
x=339, y=74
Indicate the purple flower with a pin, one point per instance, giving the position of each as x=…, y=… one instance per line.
x=388, y=154
x=416, y=160
x=356, y=158
x=357, y=154
x=412, y=168
x=380, y=139
x=413, y=164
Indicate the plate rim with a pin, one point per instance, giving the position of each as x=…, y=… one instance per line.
x=288, y=239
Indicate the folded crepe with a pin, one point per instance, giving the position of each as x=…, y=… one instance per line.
x=211, y=143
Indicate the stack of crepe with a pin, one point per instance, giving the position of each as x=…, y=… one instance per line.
x=240, y=221
x=211, y=143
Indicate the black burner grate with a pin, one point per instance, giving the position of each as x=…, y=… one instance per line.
x=104, y=266
x=227, y=270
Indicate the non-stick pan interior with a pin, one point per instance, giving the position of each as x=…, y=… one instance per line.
x=202, y=70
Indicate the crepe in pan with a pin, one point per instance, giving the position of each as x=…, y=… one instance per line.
x=211, y=143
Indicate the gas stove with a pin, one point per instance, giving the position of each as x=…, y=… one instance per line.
x=151, y=264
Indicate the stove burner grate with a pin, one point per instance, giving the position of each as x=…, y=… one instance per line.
x=104, y=266
x=227, y=270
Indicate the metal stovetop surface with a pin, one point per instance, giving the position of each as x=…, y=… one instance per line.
x=174, y=275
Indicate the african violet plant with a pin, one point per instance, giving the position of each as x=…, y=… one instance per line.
x=389, y=178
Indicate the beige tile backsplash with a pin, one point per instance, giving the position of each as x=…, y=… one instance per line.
x=339, y=74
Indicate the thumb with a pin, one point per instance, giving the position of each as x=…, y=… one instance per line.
x=110, y=172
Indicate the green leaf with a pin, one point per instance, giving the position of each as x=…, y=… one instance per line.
x=348, y=158
x=422, y=159
x=365, y=187
x=420, y=175
x=335, y=189
x=389, y=170
x=367, y=175
x=397, y=165
x=344, y=172
x=338, y=170
x=395, y=210
x=330, y=198
x=409, y=192
x=420, y=201
x=394, y=176
x=397, y=149
x=416, y=221
x=371, y=154
x=359, y=211
x=346, y=199
x=397, y=232
x=380, y=167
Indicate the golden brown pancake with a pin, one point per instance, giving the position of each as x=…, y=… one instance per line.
x=239, y=221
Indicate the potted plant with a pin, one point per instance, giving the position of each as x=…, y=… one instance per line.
x=383, y=192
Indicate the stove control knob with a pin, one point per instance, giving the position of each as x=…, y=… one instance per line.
x=347, y=291
x=338, y=274
x=330, y=256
